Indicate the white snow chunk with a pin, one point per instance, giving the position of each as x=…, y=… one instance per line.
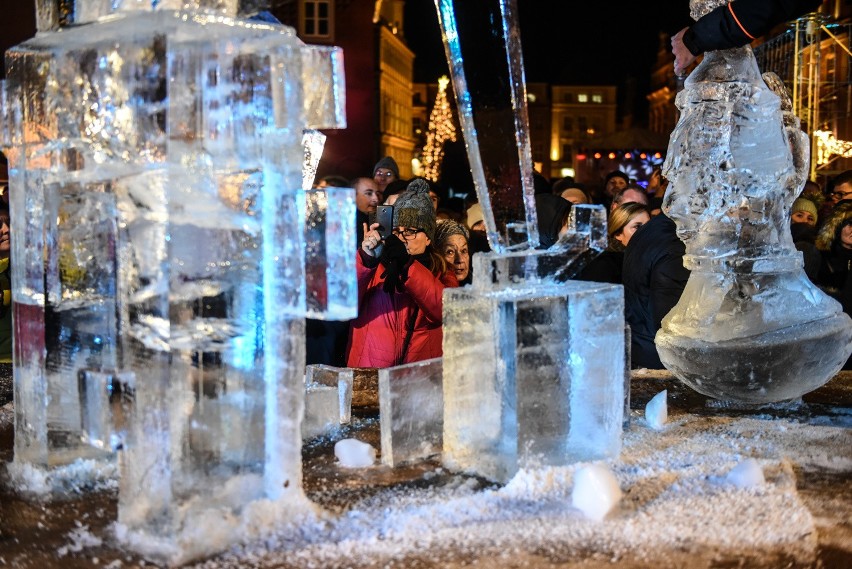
x=657, y=411
x=353, y=453
x=596, y=491
x=746, y=474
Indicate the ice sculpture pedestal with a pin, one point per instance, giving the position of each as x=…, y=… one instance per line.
x=750, y=326
x=533, y=372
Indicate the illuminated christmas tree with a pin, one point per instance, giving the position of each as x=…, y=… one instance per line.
x=441, y=129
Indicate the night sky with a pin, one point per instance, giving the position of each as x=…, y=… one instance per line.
x=567, y=42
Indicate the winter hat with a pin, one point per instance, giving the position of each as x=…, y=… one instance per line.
x=446, y=229
x=841, y=215
x=575, y=193
x=474, y=215
x=806, y=205
x=616, y=174
x=389, y=163
x=414, y=208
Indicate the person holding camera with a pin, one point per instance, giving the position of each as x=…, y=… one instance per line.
x=401, y=281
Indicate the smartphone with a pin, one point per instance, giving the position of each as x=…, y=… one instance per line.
x=384, y=217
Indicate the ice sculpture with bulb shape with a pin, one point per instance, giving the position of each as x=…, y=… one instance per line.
x=750, y=326
x=159, y=236
x=534, y=363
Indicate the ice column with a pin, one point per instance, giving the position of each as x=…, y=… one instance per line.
x=159, y=246
x=534, y=363
x=750, y=325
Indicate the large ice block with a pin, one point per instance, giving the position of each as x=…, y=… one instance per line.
x=533, y=375
x=159, y=240
x=411, y=409
x=750, y=326
x=340, y=378
x=491, y=97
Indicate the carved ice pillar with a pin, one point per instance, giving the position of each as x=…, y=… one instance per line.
x=525, y=383
x=160, y=249
x=750, y=325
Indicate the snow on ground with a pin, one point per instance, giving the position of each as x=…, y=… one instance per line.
x=676, y=498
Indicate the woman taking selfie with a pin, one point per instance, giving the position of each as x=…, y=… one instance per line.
x=401, y=280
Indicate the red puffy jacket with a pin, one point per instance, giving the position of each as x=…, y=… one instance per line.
x=377, y=335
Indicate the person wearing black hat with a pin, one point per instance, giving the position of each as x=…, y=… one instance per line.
x=401, y=280
x=385, y=171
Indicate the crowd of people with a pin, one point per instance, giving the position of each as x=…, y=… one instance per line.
x=402, y=270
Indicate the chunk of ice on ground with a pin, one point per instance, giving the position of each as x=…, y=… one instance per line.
x=596, y=491
x=747, y=474
x=352, y=453
x=657, y=411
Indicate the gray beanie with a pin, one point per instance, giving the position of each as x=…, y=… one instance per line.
x=414, y=208
x=446, y=229
x=389, y=163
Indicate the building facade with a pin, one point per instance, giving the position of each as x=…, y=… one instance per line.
x=580, y=113
x=379, y=69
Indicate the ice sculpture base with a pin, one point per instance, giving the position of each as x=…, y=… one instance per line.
x=46, y=483
x=209, y=527
x=774, y=366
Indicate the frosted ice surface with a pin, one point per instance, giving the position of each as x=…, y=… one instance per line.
x=325, y=87
x=596, y=491
x=322, y=410
x=746, y=474
x=352, y=453
x=657, y=411
x=341, y=378
x=411, y=407
x=525, y=384
x=313, y=142
x=483, y=48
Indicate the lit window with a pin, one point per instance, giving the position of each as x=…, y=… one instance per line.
x=582, y=98
x=531, y=97
x=597, y=98
x=316, y=18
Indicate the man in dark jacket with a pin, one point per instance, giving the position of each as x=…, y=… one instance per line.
x=734, y=24
x=654, y=278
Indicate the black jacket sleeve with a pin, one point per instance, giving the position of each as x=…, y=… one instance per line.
x=737, y=23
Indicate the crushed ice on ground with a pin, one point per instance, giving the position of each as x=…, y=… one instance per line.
x=352, y=453
x=746, y=474
x=596, y=491
x=656, y=411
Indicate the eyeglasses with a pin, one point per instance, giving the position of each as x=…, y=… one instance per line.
x=383, y=175
x=840, y=195
x=406, y=233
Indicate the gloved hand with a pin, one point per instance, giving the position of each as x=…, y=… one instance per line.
x=394, y=258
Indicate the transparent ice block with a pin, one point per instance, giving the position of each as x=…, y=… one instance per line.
x=341, y=378
x=533, y=376
x=322, y=410
x=411, y=410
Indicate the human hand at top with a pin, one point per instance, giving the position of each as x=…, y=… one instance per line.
x=683, y=57
x=372, y=243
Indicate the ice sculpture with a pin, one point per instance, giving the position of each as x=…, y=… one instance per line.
x=158, y=219
x=750, y=325
x=342, y=379
x=525, y=380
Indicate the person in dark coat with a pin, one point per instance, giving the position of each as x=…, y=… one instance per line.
x=552, y=213
x=623, y=222
x=734, y=24
x=654, y=278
